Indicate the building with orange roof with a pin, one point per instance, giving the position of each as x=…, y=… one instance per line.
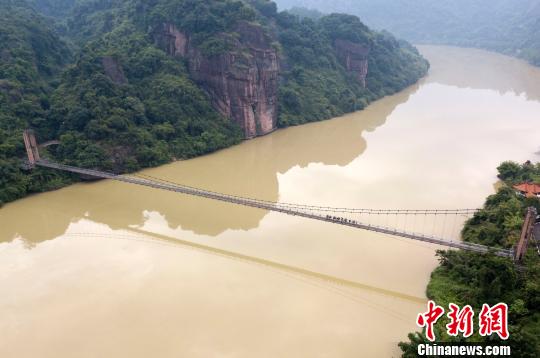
x=528, y=190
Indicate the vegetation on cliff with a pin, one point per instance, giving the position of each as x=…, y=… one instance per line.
x=316, y=86
x=146, y=114
x=118, y=101
x=31, y=56
x=507, y=26
x=472, y=279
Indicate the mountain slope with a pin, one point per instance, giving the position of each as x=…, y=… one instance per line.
x=342, y=68
x=153, y=81
x=31, y=56
x=303, y=54
x=507, y=26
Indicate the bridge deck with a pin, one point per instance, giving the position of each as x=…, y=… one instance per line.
x=49, y=143
x=276, y=207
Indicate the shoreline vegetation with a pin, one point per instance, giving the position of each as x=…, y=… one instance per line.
x=465, y=278
x=90, y=74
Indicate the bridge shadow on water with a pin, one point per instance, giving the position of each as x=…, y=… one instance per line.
x=348, y=289
x=250, y=169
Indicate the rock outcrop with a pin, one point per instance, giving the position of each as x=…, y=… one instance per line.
x=171, y=40
x=354, y=57
x=113, y=70
x=242, y=81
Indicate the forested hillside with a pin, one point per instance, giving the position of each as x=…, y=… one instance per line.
x=316, y=85
x=508, y=26
x=31, y=57
x=147, y=82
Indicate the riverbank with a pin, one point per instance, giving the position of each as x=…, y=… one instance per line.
x=88, y=259
x=471, y=279
x=136, y=94
x=18, y=183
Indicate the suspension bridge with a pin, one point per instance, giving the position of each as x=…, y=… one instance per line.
x=439, y=227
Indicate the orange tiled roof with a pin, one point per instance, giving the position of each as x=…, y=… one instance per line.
x=528, y=189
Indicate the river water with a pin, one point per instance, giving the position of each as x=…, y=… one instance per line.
x=108, y=269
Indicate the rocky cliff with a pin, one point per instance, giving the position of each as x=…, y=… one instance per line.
x=152, y=108
x=354, y=57
x=242, y=81
x=113, y=70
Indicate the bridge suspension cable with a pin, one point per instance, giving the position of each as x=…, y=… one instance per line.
x=326, y=208
x=450, y=221
x=376, y=220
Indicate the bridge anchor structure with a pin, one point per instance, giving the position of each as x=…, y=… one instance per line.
x=527, y=234
x=428, y=226
x=32, y=150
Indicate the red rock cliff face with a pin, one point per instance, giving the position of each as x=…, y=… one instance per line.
x=354, y=57
x=170, y=39
x=242, y=82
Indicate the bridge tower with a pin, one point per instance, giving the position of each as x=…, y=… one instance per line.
x=32, y=149
x=526, y=234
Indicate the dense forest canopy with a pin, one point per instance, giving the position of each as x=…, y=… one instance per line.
x=90, y=74
x=31, y=57
x=507, y=26
x=316, y=87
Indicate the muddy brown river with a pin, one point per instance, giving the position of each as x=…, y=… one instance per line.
x=107, y=269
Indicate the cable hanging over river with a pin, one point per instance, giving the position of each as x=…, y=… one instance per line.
x=426, y=225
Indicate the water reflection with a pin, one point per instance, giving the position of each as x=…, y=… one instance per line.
x=151, y=238
x=480, y=69
x=106, y=283
x=438, y=150
x=249, y=169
